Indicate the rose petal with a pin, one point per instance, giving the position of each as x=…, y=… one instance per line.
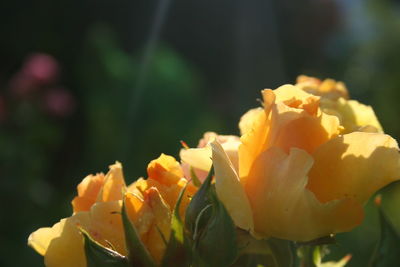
x=114, y=184
x=199, y=158
x=106, y=225
x=62, y=244
x=41, y=238
x=290, y=122
x=165, y=169
x=161, y=227
x=353, y=115
x=354, y=165
x=284, y=208
x=65, y=243
x=230, y=190
x=88, y=191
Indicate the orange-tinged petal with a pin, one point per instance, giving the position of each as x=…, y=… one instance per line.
x=307, y=132
x=161, y=227
x=296, y=121
x=138, y=187
x=296, y=98
x=354, y=165
x=284, y=208
x=114, y=184
x=291, y=119
x=252, y=142
x=165, y=170
x=90, y=185
x=139, y=212
x=169, y=193
x=88, y=190
x=230, y=190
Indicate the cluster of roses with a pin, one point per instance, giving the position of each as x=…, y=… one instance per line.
x=306, y=163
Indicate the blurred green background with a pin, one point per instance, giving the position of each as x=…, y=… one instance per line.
x=85, y=83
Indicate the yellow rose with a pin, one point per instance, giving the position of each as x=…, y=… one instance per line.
x=167, y=176
x=97, y=207
x=298, y=177
x=353, y=115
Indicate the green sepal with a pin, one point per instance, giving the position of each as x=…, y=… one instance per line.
x=195, y=179
x=387, y=251
x=217, y=243
x=178, y=250
x=263, y=252
x=197, y=206
x=100, y=256
x=325, y=240
x=138, y=254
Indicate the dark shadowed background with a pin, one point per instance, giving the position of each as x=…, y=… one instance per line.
x=85, y=83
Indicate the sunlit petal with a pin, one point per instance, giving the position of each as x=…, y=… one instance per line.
x=114, y=184
x=284, y=208
x=230, y=190
x=88, y=191
x=354, y=165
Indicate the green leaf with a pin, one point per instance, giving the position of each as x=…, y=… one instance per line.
x=217, y=244
x=137, y=252
x=178, y=251
x=198, y=204
x=387, y=251
x=100, y=256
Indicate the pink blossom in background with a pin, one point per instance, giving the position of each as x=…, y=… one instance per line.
x=42, y=68
x=59, y=102
x=38, y=70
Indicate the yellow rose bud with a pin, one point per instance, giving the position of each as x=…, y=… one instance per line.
x=166, y=175
x=151, y=217
x=353, y=115
x=99, y=188
x=327, y=88
x=200, y=158
x=298, y=178
x=97, y=208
